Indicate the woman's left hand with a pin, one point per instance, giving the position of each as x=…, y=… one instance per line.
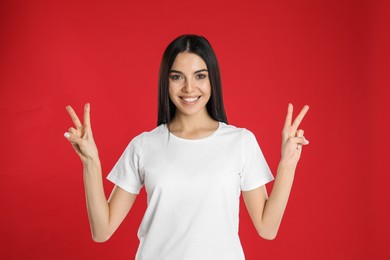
x=292, y=138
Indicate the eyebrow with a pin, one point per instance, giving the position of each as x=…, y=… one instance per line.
x=177, y=71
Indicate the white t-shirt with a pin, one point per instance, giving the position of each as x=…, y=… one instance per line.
x=193, y=191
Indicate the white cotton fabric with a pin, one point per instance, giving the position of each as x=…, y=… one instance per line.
x=193, y=191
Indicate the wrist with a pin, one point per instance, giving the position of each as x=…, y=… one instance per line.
x=91, y=162
x=284, y=163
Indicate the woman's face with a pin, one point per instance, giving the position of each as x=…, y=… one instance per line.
x=189, y=84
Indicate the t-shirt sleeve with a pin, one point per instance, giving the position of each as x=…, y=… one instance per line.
x=126, y=172
x=255, y=171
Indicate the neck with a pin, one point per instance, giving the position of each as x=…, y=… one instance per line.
x=182, y=122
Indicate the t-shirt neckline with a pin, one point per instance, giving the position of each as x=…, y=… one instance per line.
x=195, y=140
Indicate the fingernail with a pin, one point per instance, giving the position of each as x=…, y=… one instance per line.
x=306, y=141
x=67, y=135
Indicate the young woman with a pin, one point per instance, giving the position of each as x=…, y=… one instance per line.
x=194, y=167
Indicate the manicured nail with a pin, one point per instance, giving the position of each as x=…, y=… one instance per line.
x=67, y=135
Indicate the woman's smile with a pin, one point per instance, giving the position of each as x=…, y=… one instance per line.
x=190, y=100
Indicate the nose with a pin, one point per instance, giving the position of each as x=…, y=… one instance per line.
x=189, y=86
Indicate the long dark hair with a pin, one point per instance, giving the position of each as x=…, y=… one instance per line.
x=201, y=47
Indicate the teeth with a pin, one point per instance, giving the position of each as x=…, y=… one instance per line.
x=190, y=99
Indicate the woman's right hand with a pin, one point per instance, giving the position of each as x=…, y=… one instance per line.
x=81, y=137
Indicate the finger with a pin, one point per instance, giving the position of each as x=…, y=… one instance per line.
x=289, y=115
x=87, y=109
x=73, y=131
x=74, y=139
x=76, y=132
x=74, y=117
x=299, y=140
x=299, y=118
x=300, y=133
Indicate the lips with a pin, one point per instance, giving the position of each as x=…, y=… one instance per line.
x=190, y=99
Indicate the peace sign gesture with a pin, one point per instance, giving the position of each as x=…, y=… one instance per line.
x=292, y=138
x=81, y=137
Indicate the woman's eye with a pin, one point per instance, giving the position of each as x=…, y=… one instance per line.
x=200, y=76
x=175, y=77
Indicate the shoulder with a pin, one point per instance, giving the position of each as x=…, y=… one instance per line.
x=240, y=135
x=150, y=135
x=234, y=130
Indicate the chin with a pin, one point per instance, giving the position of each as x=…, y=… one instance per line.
x=188, y=112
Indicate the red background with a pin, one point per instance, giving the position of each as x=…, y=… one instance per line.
x=331, y=55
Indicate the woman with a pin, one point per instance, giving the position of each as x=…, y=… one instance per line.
x=193, y=164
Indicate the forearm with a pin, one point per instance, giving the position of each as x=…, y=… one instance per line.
x=277, y=201
x=97, y=206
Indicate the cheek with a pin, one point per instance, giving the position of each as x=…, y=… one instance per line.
x=206, y=89
x=171, y=90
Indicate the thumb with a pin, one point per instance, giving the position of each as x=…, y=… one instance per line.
x=74, y=139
